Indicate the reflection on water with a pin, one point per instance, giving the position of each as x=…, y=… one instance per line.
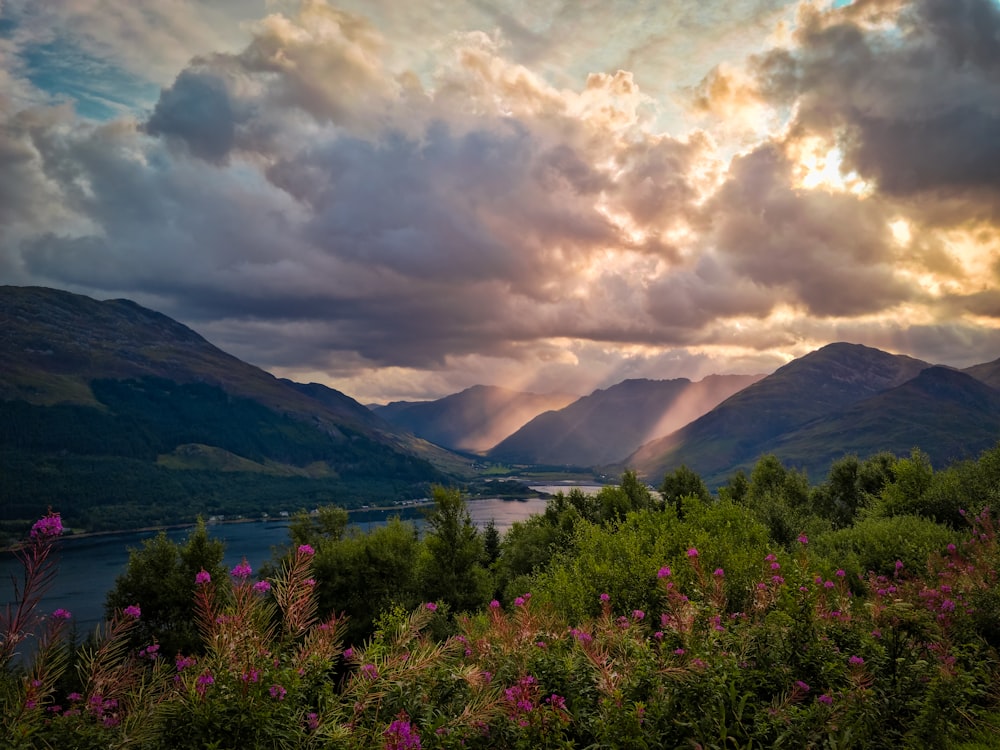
x=89, y=566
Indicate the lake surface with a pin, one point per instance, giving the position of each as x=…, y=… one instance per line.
x=89, y=566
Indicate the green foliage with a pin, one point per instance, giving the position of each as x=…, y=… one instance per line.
x=681, y=483
x=160, y=579
x=117, y=466
x=876, y=544
x=625, y=559
x=368, y=574
x=450, y=568
x=801, y=660
x=328, y=523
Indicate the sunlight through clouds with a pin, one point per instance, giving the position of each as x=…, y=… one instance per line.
x=397, y=199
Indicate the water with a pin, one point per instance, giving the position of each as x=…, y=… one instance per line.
x=89, y=566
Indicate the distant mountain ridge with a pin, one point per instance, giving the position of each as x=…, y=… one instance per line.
x=611, y=423
x=839, y=399
x=475, y=419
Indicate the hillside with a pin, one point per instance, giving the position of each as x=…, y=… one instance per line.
x=734, y=433
x=123, y=416
x=987, y=372
x=946, y=413
x=475, y=419
x=611, y=423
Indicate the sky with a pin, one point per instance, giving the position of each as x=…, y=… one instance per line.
x=401, y=200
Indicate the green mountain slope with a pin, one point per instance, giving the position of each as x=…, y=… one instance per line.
x=119, y=416
x=946, y=413
x=735, y=433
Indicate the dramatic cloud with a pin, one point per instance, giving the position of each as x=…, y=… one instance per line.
x=403, y=203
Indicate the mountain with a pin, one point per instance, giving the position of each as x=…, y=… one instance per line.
x=736, y=432
x=611, y=423
x=946, y=413
x=118, y=415
x=475, y=419
x=987, y=372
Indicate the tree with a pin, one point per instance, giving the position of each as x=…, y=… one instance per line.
x=160, y=579
x=682, y=483
x=366, y=574
x=491, y=543
x=451, y=569
x=328, y=522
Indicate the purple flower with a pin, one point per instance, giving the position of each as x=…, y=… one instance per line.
x=663, y=572
x=856, y=661
x=348, y=652
x=803, y=539
x=202, y=577
x=899, y=565
x=183, y=662
x=557, y=702
x=305, y=549
x=519, y=601
x=278, y=692
x=775, y=566
x=370, y=671
x=828, y=584
x=494, y=604
x=204, y=680
x=262, y=587
x=840, y=573
x=693, y=552
x=679, y=651
x=605, y=598
x=638, y=614
x=133, y=611
x=61, y=614
x=431, y=606
x=802, y=686
x=825, y=700
x=400, y=735
x=312, y=721
x=49, y=525
x=241, y=571
x=719, y=573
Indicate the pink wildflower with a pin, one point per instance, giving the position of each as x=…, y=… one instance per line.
x=48, y=525
x=202, y=577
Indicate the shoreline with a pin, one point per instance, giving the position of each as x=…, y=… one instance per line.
x=209, y=524
x=190, y=524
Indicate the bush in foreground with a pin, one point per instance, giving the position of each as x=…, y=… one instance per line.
x=904, y=658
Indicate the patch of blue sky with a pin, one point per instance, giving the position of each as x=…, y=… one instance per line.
x=99, y=89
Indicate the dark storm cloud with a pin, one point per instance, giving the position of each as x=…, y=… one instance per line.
x=197, y=111
x=915, y=106
x=830, y=252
